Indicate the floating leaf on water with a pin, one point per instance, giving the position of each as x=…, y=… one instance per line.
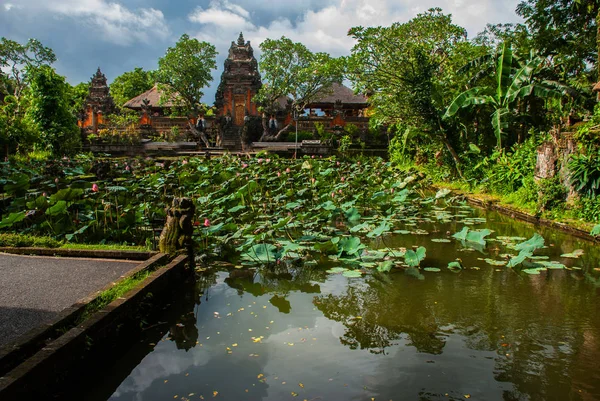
x=456, y=265
x=352, y=273
x=360, y=227
x=432, y=269
x=414, y=258
x=595, y=230
x=531, y=271
x=440, y=240
x=378, y=231
x=533, y=243
x=573, y=255
x=335, y=270
x=494, y=262
x=418, y=231
x=520, y=258
x=385, y=266
x=403, y=232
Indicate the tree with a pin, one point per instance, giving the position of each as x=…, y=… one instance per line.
x=407, y=70
x=292, y=71
x=567, y=31
x=130, y=84
x=49, y=110
x=185, y=70
x=77, y=96
x=513, y=81
x=18, y=58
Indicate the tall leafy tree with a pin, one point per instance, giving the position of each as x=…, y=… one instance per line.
x=130, y=84
x=513, y=81
x=77, y=97
x=566, y=30
x=50, y=112
x=185, y=70
x=408, y=70
x=17, y=58
x=290, y=70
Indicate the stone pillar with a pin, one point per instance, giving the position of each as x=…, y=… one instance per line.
x=178, y=229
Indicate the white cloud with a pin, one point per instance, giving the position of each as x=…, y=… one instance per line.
x=326, y=29
x=115, y=22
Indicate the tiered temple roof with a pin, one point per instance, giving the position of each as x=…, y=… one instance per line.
x=240, y=81
x=99, y=98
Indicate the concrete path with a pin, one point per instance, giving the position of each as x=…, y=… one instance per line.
x=33, y=289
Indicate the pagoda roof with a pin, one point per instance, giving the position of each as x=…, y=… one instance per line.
x=153, y=95
x=342, y=93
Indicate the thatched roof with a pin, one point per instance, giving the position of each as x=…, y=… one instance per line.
x=343, y=93
x=596, y=87
x=153, y=95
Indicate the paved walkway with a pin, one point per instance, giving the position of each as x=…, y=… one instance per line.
x=33, y=289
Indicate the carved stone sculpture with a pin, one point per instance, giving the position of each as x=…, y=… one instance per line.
x=179, y=227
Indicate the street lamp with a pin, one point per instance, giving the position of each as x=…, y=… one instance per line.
x=295, y=116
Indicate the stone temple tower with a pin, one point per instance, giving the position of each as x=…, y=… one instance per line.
x=240, y=81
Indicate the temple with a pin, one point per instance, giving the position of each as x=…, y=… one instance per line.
x=234, y=122
x=98, y=104
x=240, y=81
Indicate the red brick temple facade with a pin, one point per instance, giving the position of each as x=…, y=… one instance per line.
x=240, y=81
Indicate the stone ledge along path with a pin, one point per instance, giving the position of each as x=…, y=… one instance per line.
x=34, y=289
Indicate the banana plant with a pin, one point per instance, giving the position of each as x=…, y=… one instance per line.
x=514, y=80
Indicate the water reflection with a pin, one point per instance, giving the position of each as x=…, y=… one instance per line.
x=278, y=332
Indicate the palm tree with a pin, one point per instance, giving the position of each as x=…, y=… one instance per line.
x=514, y=80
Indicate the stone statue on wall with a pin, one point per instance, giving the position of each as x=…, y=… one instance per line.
x=179, y=227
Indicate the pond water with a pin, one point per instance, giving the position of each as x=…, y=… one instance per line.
x=290, y=332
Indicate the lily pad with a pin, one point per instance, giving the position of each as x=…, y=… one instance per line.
x=352, y=273
x=573, y=255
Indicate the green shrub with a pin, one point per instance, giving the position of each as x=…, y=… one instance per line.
x=552, y=194
x=302, y=135
x=589, y=208
x=509, y=171
x=22, y=240
x=585, y=173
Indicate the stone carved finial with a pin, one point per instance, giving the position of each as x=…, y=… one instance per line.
x=241, y=41
x=178, y=229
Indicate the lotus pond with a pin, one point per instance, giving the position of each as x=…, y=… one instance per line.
x=332, y=280
x=291, y=332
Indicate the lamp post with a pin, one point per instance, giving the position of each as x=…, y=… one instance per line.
x=295, y=115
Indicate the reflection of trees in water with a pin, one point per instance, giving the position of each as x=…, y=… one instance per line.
x=279, y=280
x=543, y=329
x=183, y=329
x=374, y=320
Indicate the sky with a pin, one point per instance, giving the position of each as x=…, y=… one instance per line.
x=119, y=35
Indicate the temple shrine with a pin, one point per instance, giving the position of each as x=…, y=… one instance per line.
x=240, y=81
x=98, y=104
x=236, y=120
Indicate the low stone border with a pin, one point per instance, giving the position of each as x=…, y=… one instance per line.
x=29, y=343
x=491, y=205
x=79, y=253
x=37, y=376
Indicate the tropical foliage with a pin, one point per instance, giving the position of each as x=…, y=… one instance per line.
x=291, y=71
x=185, y=70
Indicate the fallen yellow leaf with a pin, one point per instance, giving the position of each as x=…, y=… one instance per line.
x=301, y=385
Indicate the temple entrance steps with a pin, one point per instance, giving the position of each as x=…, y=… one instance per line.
x=232, y=139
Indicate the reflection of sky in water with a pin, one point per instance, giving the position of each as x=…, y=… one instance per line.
x=300, y=348
x=491, y=334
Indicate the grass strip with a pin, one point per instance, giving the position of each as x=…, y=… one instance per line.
x=107, y=296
